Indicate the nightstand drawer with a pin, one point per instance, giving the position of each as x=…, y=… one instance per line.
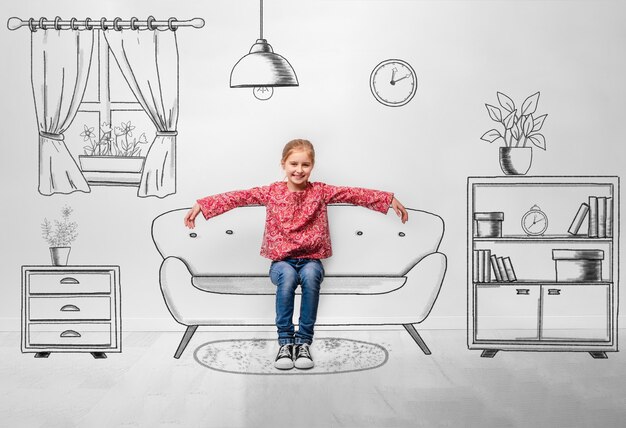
x=69, y=334
x=70, y=308
x=69, y=282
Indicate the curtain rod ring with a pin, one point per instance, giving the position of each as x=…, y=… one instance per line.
x=116, y=24
x=42, y=23
x=133, y=23
x=31, y=25
x=88, y=26
x=57, y=26
x=73, y=25
x=149, y=23
x=170, y=23
x=103, y=24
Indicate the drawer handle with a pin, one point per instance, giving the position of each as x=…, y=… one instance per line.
x=554, y=292
x=359, y=233
x=193, y=235
x=523, y=291
x=70, y=308
x=70, y=280
x=70, y=333
x=229, y=232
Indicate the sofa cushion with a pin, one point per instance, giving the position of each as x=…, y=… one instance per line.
x=330, y=285
x=364, y=242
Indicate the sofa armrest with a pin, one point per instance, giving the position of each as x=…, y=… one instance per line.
x=425, y=280
x=176, y=285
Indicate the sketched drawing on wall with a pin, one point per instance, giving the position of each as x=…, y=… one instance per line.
x=62, y=54
x=542, y=264
x=520, y=132
x=380, y=273
x=59, y=234
x=262, y=69
x=393, y=82
x=71, y=309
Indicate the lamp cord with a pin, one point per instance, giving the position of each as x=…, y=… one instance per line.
x=261, y=26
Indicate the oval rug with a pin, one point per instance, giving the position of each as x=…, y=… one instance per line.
x=256, y=356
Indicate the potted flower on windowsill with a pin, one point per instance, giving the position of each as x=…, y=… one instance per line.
x=60, y=234
x=115, y=150
x=520, y=133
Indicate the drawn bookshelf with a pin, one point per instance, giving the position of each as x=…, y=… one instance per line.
x=564, y=292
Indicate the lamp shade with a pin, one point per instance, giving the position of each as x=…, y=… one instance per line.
x=262, y=67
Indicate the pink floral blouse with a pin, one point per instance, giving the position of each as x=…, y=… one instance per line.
x=296, y=224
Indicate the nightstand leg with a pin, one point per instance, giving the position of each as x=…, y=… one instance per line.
x=42, y=354
x=99, y=355
x=489, y=353
x=599, y=355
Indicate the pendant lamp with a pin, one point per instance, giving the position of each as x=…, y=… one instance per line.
x=262, y=68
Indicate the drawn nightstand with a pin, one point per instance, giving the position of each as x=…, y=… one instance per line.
x=71, y=309
x=558, y=290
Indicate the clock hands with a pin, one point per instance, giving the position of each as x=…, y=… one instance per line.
x=393, y=80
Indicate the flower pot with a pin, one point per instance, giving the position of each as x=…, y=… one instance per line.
x=111, y=163
x=516, y=160
x=60, y=255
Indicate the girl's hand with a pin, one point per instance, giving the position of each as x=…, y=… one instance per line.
x=190, y=218
x=400, y=210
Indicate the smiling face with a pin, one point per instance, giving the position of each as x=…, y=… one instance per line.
x=298, y=167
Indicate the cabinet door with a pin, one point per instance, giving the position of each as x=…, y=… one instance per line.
x=506, y=312
x=576, y=312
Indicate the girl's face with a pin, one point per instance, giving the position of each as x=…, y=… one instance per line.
x=298, y=167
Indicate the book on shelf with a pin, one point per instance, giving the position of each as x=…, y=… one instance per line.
x=510, y=272
x=593, y=217
x=481, y=266
x=579, y=218
x=502, y=269
x=599, y=214
x=475, y=265
x=496, y=270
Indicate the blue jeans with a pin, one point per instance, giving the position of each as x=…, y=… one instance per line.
x=286, y=275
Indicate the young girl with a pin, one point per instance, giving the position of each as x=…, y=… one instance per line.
x=296, y=238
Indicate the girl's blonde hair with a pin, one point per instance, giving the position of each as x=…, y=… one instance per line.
x=297, y=145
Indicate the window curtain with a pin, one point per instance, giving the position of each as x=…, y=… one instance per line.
x=149, y=62
x=60, y=63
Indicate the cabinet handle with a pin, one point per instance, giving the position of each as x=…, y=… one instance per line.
x=554, y=292
x=70, y=280
x=70, y=308
x=70, y=333
x=523, y=291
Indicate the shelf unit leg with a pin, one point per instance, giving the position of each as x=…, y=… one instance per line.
x=598, y=355
x=42, y=354
x=99, y=355
x=489, y=353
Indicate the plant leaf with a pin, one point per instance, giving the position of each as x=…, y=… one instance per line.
x=538, y=140
x=494, y=113
x=529, y=123
x=506, y=102
x=516, y=131
x=538, y=122
x=530, y=104
x=491, y=135
x=509, y=121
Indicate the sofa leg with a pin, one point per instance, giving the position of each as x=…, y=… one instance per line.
x=418, y=339
x=191, y=329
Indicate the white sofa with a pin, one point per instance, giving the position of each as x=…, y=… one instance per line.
x=382, y=272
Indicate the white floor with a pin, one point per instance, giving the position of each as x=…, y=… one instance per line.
x=145, y=386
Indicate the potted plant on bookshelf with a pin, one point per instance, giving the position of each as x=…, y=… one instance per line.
x=520, y=132
x=60, y=234
x=114, y=151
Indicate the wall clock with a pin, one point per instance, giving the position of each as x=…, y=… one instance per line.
x=393, y=82
x=534, y=221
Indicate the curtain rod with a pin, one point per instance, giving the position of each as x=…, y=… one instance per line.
x=151, y=23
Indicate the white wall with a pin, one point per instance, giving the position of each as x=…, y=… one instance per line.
x=463, y=53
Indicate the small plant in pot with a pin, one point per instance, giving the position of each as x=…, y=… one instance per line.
x=520, y=132
x=116, y=150
x=60, y=234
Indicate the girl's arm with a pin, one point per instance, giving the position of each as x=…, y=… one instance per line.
x=373, y=199
x=215, y=205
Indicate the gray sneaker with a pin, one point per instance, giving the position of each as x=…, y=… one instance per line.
x=284, y=358
x=304, y=360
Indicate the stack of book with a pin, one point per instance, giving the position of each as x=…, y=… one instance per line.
x=488, y=267
x=598, y=212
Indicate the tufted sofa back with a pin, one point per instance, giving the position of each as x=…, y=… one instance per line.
x=364, y=242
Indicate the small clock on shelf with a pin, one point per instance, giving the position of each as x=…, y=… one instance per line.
x=534, y=221
x=393, y=82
